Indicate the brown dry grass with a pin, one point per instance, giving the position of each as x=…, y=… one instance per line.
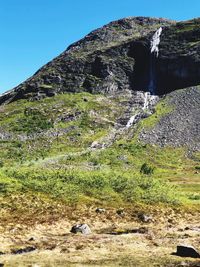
x=56, y=246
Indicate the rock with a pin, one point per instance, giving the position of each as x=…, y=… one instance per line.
x=31, y=239
x=120, y=212
x=81, y=228
x=196, y=229
x=180, y=127
x=145, y=218
x=140, y=230
x=100, y=210
x=23, y=250
x=95, y=144
x=187, y=251
x=143, y=230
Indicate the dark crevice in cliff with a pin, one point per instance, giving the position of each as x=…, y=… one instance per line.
x=140, y=77
x=161, y=76
x=173, y=74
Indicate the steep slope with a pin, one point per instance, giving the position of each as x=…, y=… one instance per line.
x=117, y=57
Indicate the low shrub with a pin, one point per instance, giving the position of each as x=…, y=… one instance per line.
x=74, y=184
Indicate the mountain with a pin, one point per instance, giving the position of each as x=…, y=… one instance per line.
x=108, y=134
x=117, y=59
x=122, y=102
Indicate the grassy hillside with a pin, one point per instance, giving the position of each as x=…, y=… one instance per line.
x=67, y=149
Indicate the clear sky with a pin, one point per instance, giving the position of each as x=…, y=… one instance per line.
x=32, y=32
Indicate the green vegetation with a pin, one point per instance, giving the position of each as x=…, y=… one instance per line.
x=75, y=185
x=161, y=109
x=33, y=121
x=46, y=153
x=46, y=86
x=146, y=169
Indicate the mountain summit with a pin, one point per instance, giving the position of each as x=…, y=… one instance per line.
x=117, y=57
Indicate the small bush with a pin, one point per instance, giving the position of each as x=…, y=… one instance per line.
x=33, y=121
x=194, y=197
x=197, y=168
x=146, y=169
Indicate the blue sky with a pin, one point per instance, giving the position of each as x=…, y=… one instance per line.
x=32, y=32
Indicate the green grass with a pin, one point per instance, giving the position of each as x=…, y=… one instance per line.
x=47, y=154
x=161, y=109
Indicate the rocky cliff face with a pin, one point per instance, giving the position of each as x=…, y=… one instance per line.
x=125, y=57
x=110, y=59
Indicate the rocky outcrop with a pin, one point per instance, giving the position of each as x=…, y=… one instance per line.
x=81, y=228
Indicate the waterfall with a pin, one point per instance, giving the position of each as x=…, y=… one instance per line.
x=131, y=121
x=155, y=41
x=144, y=106
x=146, y=101
x=149, y=98
x=154, y=48
x=145, y=98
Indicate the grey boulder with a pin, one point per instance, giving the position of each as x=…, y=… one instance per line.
x=81, y=228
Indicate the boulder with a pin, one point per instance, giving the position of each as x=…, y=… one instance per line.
x=81, y=228
x=100, y=210
x=187, y=251
x=120, y=212
x=145, y=218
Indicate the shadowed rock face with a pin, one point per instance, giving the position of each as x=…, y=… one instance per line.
x=178, y=65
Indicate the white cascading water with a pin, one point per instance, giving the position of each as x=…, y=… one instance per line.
x=148, y=101
x=149, y=97
x=131, y=121
x=155, y=41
